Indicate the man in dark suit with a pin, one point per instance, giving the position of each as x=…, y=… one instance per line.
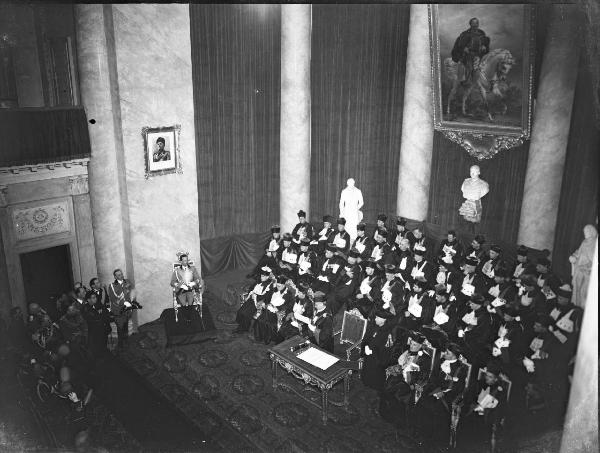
x=96, y=288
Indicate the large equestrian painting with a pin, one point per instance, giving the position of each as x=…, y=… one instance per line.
x=482, y=67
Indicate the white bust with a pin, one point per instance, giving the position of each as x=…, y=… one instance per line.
x=473, y=189
x=351, y=201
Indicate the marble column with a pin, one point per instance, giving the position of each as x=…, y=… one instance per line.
x=99, y=93
x=550, y=133
x=580, y=433
x=294, y=166
x=417, y=121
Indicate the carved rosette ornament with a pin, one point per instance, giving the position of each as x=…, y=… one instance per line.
x=79, y=185
x=483, y=146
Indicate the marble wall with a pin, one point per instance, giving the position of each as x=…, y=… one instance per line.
x=154, y=75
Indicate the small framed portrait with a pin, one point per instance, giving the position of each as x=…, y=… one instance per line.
x=161, y=150
x=482, y=68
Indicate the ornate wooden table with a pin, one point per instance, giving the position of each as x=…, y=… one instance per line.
x=324, y=380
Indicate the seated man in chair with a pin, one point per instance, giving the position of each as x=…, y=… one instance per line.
x=186, y=281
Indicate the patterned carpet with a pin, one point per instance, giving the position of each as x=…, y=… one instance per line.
x=224, y=388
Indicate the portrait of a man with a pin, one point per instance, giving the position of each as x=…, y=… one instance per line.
x=482, y=67
x=161, y=154
x=161, y=150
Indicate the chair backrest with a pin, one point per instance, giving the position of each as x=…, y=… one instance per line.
x=468, y=378
x=505, y=380
x=433, y=354
x=353, y=327
x=178, y=264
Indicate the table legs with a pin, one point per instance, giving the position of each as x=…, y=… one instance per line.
x=274, y=372
x=347, y=389
x=324, y=402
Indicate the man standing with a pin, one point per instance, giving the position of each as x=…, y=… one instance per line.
x=469, y=47
x=186, y=281
x=121, y=295
x=97, y=289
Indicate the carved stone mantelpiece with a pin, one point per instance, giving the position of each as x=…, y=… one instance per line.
x=39, y=172
x=483, y=146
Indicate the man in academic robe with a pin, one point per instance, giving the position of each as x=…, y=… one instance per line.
x=329, y=270
x=417, y=238
x=382, y=252
x=472, y=281
x=450, y=249
x=272, y=253
x=344, y=289
x=323, y=236
x=523, y=265
x=341, y=239
x=474, y=331
x=376, y=349
x=475, y=250
x=307, y=263
x=488, y=403
x=448, y=276
x=363, y=243
x=369, y=291
x=277, y=306
x=433, y=410
x=547, y=281
x=404, y=259
x=321, y=324
x=403, y=378
x=490, y=264
x=392, y=289
x=398, y=234
x=566, y=318
x=303, y=229
x=185, y=280
x=303, y=306
x=380, y=226
x=421, y=268
x=255, y=301
x=288, y=260
x=121, y=294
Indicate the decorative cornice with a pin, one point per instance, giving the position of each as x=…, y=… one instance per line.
x=78, y=184
x=39, y=172
x=483, y=146
x=3, y=196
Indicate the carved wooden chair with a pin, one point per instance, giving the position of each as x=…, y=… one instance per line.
x=353, y=330
x=497, y=422
x=458, y=403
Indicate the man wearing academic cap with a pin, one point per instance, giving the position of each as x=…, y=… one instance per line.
x=303, y=229
x=376, y=349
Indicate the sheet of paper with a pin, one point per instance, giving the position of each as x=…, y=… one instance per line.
x=318, y=358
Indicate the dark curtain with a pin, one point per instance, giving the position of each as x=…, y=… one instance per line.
x=236, y=80
x=505, y=174
x=357, y=86
x=32, y=136
x=579, y=191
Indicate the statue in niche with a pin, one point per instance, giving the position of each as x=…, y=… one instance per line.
x=581, y=265
x=351, y=200
x=473, y=189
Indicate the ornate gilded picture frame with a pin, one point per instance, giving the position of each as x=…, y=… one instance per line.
x=161, y=150
x=482, y=68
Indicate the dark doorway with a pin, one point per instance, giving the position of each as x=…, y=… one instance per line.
x=46, y=274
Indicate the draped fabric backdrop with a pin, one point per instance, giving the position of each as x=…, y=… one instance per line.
x=579, y=192
x=357, y=88
x=60, y=134
x=236, y=77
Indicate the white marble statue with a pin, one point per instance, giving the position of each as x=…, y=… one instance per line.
x=581, y=265
x=351, y=200
x=473, y=189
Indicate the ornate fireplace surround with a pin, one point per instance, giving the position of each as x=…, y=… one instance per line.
x=43, y=206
